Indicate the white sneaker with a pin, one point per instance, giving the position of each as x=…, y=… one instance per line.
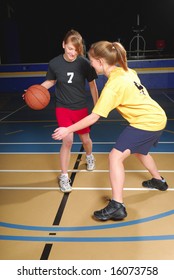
x=90, y=161
x=64, y=183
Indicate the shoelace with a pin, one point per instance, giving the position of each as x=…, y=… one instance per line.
x=90, y=161
x=65, y=181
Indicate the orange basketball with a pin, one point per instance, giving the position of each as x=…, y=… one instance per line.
x=37, y=97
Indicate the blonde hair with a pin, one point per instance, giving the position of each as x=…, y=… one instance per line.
x=76, y=39
x=113, y=53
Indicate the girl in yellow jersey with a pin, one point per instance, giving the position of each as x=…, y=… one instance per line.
x=124, y=92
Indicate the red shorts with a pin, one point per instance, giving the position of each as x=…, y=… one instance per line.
x=66, y=117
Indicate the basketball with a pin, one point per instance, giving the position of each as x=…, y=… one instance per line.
x=37, y=97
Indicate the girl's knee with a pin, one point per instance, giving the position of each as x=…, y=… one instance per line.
x=113, y=154
x=118, y=155
x=86, y=140
x=68, y=143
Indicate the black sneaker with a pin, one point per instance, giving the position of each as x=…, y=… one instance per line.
x=155, y=184
x=113, y=211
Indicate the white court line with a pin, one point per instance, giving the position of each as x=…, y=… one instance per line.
x=73, y=171
x=60, y=143
x=57, y=153
x=172, y=100
x=77, y=189
x=12, y=113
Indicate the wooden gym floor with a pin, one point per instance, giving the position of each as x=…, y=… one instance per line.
x=38, y=222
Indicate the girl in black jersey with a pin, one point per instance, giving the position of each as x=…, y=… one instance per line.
x=69, y=72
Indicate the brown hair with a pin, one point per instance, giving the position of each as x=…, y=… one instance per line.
x=76, y=39
x=113, y=53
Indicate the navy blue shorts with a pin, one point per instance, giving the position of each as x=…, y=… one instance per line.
x=137, y=140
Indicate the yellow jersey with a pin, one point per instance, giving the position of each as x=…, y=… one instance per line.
x=124, y=92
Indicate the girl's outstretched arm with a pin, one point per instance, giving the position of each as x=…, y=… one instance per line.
x=62, y=132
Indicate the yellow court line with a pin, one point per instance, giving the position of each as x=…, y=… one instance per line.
x=155, y=70
x=43, y=73
x=24, y=74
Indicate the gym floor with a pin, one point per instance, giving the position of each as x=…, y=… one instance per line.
x=39, y=222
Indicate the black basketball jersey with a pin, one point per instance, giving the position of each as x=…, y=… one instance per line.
x=71, y=77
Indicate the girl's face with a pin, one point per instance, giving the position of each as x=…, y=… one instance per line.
x=70, y=53
x=97, y=64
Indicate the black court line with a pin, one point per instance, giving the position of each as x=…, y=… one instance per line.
x=57, y=219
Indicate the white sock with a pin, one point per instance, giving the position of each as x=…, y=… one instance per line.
x=88, y=156
x=64, y=174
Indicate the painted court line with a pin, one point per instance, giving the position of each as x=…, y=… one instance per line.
x=87, y=228
x=74, y=143
x=75, y=153
x=74, y=188
x=84, y=228
x=86, y=239
x=74, y=171
x=12, y=113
